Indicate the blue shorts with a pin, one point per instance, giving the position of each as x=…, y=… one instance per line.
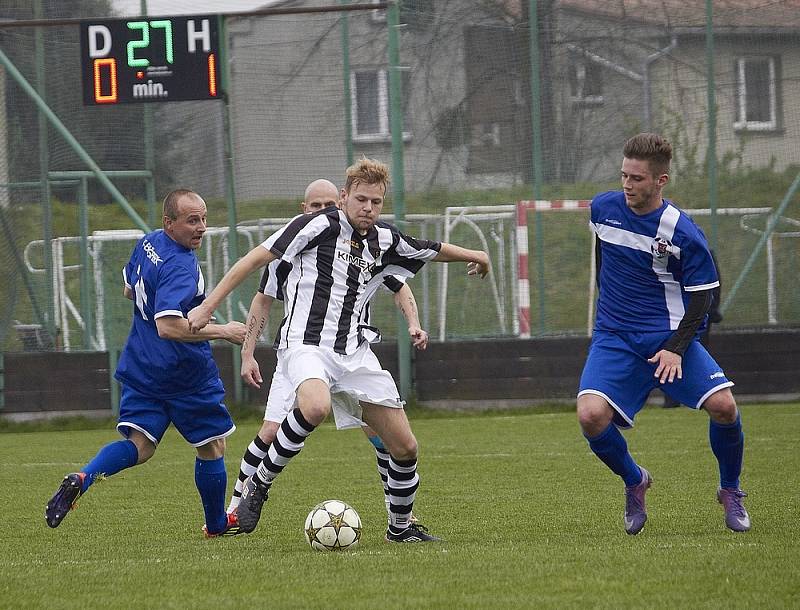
x=617, y=369
x=200, y=417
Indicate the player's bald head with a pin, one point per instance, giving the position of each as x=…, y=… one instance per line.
x=320, y=194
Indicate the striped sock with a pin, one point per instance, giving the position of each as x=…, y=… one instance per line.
x=403, y=482
x=252, y=457
x=288, y=442
x=382, y=457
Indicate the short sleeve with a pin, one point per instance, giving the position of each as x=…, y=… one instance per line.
x=698, y=269
x=177, y=288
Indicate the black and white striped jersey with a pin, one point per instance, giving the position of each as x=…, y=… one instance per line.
x=333, y=273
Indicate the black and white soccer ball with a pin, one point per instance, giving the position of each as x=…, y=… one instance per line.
x=333, y=525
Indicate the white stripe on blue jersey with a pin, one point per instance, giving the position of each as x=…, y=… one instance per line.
x=334, y=272
x=648, y=264
x=166, y=280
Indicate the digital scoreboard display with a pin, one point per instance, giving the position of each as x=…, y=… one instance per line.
x=150, y=60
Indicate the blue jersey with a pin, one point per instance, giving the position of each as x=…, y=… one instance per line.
x=648, y=265
x=166, y=280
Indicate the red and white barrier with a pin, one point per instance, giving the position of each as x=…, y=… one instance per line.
x=523, y=281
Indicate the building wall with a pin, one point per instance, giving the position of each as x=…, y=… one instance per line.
x=683, y=91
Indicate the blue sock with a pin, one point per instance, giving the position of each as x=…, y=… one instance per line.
x=611, y=448
x=211, y=480
x=112, y=458
x=377, y=442
x=727, y=443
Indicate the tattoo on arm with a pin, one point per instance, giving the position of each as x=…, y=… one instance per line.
x=252, y=334
x=410, y=310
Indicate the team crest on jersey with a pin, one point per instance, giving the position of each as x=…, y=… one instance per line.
x=661, y=247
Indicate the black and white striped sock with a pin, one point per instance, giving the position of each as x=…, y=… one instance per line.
x=252, y=457
x=382, y=457
x=288, y=442
x=403, y=482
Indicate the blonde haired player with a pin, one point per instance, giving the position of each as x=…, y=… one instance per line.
x=319, y=195
x=339, y=259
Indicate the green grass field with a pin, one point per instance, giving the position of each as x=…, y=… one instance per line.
x=530, y=518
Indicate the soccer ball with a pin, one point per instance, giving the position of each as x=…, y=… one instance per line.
x=333, y=525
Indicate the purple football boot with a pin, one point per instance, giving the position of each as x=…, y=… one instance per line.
x=736, y=517
x=635, y=511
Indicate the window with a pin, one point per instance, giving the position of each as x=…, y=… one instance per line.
x=413, y=13
x=756, y=96
x=378, y=15
x=585, y=81
x=369, y=90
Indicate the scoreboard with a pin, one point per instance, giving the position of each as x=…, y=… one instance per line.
x=150, y=60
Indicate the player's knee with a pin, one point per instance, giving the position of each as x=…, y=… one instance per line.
x=213, y=450
x=406, y=450
x=314, y=401
x=315, y=413
x=594, y=414
x=145, y=448
x=721, y=407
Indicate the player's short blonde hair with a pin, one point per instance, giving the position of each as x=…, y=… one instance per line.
x=650, y=147
x=367, y=171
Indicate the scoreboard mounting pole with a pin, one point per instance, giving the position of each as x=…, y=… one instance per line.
x=166, y=59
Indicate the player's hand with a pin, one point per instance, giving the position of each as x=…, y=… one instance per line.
x=668, y=366
x=480, y=266
x=235, y=332
x=198, y=318
x=250, y=372
x=419, y=338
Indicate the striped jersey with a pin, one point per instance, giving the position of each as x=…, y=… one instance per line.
x=648, y=265
x=334, y=272
x=276, y=273
x=166, y=280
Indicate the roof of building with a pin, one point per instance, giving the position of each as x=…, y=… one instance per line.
x=692, y=13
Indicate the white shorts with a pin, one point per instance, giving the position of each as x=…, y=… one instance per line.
x=351, y=379
x=281, y=400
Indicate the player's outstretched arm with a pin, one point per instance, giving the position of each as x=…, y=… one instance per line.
x=406, y=303
x=255, y=259
x=477, y=260
x=177, y=329
x=257, y=318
